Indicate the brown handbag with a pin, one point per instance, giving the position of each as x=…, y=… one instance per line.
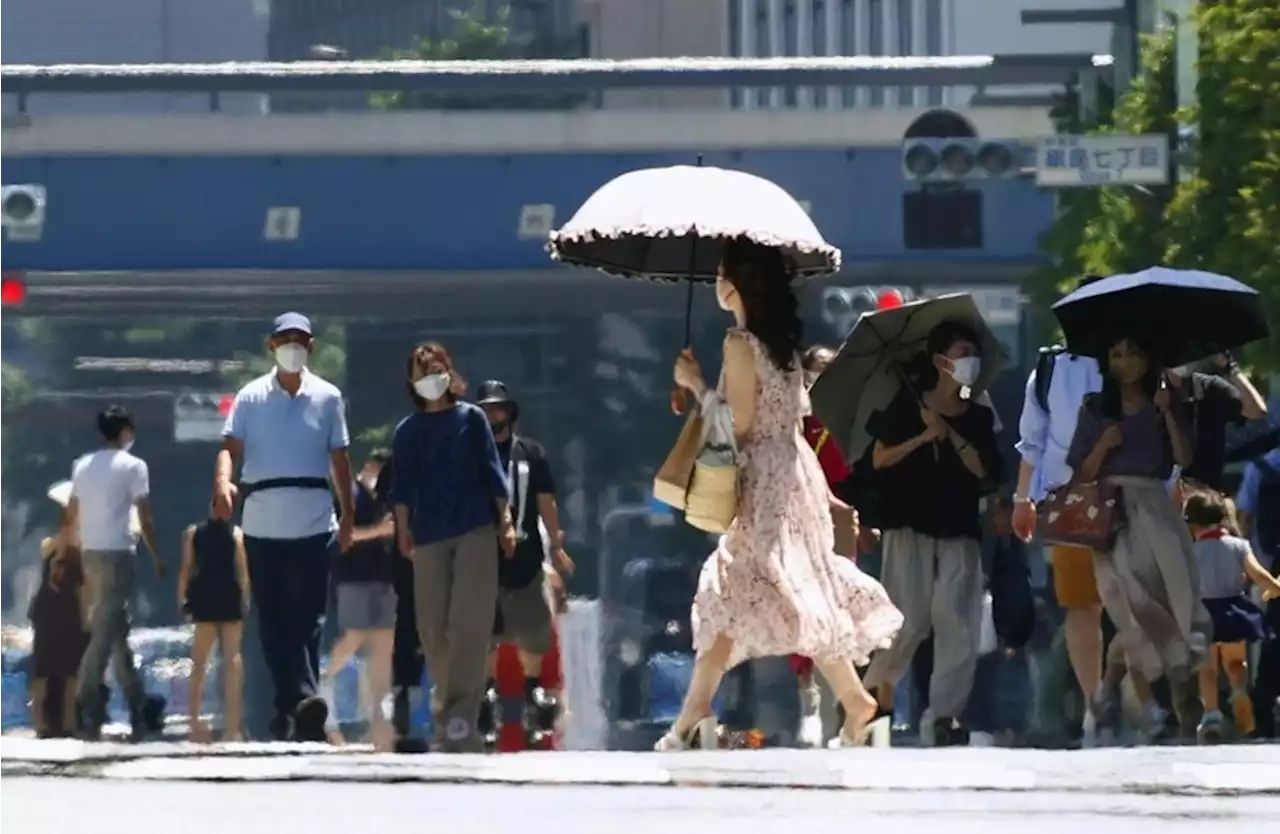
x=671, y=484
x=1082, y=515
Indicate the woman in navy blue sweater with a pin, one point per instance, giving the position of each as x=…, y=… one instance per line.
x=450, y=496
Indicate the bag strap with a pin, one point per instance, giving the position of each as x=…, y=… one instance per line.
x=1046, y=362
x=717, y=422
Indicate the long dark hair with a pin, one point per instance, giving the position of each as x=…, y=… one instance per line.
x=423, y=353
x=920, y=370
x=1108, y=401
x=762, y=275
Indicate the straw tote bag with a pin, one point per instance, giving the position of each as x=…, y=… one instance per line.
x=700, y=473
x=711, y=502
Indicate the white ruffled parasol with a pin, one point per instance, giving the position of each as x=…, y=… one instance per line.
x=667, y=224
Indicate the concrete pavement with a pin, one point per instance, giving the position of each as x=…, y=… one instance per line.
x=119, y=807
x=1225, y=771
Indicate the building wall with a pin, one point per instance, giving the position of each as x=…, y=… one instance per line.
x=769, y=28
x=457, y=213
x=657, y=29
x=134, y=31
x=998, y=29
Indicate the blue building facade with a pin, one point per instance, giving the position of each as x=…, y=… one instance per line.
x=153, y=276
x=459, y=212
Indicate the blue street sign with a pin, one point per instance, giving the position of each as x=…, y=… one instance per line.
x=1084, y=161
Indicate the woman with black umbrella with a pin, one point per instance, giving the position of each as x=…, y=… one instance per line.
x=1131, y=435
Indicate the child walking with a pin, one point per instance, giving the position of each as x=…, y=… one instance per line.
x=364, y=584
x=59, y=641
x=1227, y=564
x=213, y=589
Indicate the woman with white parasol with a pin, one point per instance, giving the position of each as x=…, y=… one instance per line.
x=774, y=585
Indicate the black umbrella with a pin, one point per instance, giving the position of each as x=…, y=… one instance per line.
x=1180, y=315
x=866, y=374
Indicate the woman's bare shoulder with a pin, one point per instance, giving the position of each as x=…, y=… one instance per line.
x=737, y=342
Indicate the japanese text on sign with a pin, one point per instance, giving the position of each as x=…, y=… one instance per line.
x=1065, y=161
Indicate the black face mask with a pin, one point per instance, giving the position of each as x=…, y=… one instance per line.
x=499, y=426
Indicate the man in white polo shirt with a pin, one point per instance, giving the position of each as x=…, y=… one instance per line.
x=288, y=432
x=106, y=486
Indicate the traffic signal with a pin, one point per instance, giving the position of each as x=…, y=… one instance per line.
x=959, y=160
x=13, y=291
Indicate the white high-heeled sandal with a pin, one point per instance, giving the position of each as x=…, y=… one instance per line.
x=877, y=733
x=702, y=736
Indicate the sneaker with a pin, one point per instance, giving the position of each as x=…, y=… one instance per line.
x=411, y=746
x=1209, y=730
x=1242, y=714
x=487, y=721
x=928, y=729
x=281, y=727
x=1155, y=725
x=1089, y=730
x=542, y=708
x=148, y=719
x=90, y=723
x=1107, y=713
x=309, y=720
x=401, y=716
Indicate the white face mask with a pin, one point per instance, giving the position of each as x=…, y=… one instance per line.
x=966, y=369
x=432, y=386
x=127, y=445
x=291, y=358
x=722, y=296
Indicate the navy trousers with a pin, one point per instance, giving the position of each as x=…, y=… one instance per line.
x=290, y=582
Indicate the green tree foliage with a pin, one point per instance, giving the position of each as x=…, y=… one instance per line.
x=1226, y=215
x=473, y=36
x=1107, y=230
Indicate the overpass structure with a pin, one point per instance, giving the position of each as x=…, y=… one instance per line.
x=152, y=213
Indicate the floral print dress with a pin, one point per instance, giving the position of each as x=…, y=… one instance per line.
x=775, y=585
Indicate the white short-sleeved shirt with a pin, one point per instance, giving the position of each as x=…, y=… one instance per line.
x=106, y=485
x=288, y=437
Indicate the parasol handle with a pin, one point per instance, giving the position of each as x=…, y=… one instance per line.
x=680, y=400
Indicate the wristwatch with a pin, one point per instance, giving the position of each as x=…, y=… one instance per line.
x=1021, y=499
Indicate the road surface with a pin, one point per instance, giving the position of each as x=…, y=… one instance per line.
x=39, y=805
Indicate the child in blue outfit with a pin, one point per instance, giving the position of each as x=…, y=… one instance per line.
x=1227, y=565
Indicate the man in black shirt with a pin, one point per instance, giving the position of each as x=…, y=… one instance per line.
x=524, y=606
x=1215, y=400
